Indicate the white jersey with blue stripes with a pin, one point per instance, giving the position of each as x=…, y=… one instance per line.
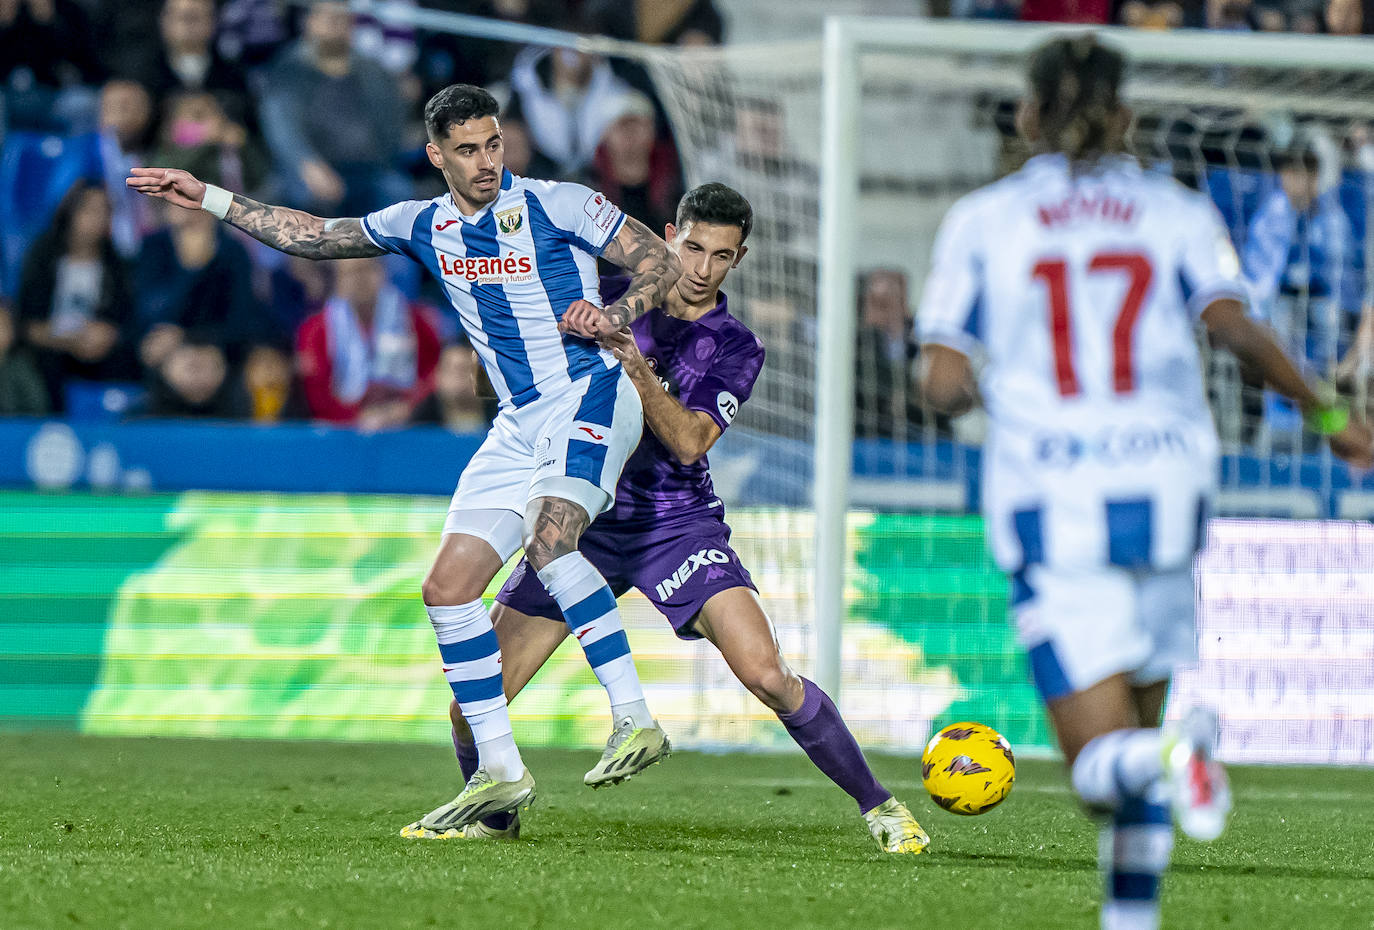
x=1079, y=292
x=511, y=270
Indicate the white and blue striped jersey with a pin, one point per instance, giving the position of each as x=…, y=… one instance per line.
x=511, y=270
x=1079, y=291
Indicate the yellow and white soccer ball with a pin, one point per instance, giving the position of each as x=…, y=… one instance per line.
x=968, y=768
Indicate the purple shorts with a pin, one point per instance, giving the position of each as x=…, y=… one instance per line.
x=677, y=568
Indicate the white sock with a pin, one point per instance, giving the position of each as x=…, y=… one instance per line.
x=1134, y=852
x=472, y=665
x=1116, y=765
x=589, y=609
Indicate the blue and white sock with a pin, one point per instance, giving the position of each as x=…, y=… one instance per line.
x=589, y=608
x=1118, y=765
x=1134, y=852
x=472, y=665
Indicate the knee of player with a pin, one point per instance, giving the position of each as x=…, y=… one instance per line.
x=773, y=683
x=540, y=552
x=444, y=592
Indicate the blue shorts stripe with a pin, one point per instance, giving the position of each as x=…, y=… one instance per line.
x=1130, y=532
x=1200, y=542
x=1134, y=886
x=1136, y=811
x=1021, y=590
x=1028, y=525
x=592, y=607
x=1049, y=675
x=480, y=689
x=607, y=649
x=470, y=650
x=598, y=404
x=585, y=460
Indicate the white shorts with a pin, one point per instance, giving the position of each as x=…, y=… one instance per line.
x=1081, y=626
x=572, y=446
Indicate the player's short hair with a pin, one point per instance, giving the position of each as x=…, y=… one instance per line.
x=1076, y=82
x=456, y=104
x=715, y=203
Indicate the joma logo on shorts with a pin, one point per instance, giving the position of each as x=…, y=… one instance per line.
x=689, y=568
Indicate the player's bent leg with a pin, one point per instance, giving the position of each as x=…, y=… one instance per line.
x=526, y=644
x=467, y=561
x=735, y=622
x=552, y=530
x=1118, y=770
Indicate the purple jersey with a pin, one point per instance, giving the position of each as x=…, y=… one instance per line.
x=709, y=364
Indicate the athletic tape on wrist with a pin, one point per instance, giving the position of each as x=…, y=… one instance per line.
x=216, y=200
x=1328, y=421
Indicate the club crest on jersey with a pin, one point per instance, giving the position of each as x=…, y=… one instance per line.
x=510, y=222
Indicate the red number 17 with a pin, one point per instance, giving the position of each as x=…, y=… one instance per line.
x=1055, y=274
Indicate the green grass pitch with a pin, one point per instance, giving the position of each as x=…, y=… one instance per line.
x=112, y=833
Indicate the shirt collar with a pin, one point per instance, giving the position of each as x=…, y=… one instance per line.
x=715, y=317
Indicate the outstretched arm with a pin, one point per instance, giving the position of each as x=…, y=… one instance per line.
x=292, y=231
x=653, y=269
x=1348, y=435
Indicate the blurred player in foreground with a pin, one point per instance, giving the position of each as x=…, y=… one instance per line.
x=694, y=365
x=1077, y=283
x=516, y=258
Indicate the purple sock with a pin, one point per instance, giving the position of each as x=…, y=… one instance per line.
x=467, y=763
x=818, y=728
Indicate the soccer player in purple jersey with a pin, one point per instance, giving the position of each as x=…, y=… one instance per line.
x=694, y=365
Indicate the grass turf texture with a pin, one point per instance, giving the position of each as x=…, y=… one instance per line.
x=175, y=833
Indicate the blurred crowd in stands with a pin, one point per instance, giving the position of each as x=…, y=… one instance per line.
x=1337, y=17
x=112, y=305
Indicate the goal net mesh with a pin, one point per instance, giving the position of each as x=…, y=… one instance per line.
x=935, y=124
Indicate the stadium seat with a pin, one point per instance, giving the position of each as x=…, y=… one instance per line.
x=36, y=170
x=93, y=401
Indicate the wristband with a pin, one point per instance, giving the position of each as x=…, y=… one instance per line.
x=217, y=200
x=1332, y=413
x=1328, y=421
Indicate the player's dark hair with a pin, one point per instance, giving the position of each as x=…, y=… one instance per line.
x=1076, y=82
x=456, y=104
x=717, y=204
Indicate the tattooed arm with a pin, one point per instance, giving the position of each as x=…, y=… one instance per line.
x=299, y=233
x=292, y=231
x=654, y=269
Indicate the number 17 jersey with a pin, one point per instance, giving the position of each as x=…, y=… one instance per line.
x=1078, y=289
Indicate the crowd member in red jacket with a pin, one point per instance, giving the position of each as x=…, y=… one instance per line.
x=369, y=356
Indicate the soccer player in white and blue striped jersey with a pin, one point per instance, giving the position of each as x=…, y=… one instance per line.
x=517, y=260
x=1078, y=283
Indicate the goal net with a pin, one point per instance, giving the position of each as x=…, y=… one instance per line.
x=851, y=150
x=854, y=506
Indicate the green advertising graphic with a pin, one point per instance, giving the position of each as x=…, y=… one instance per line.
x=298, y=616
